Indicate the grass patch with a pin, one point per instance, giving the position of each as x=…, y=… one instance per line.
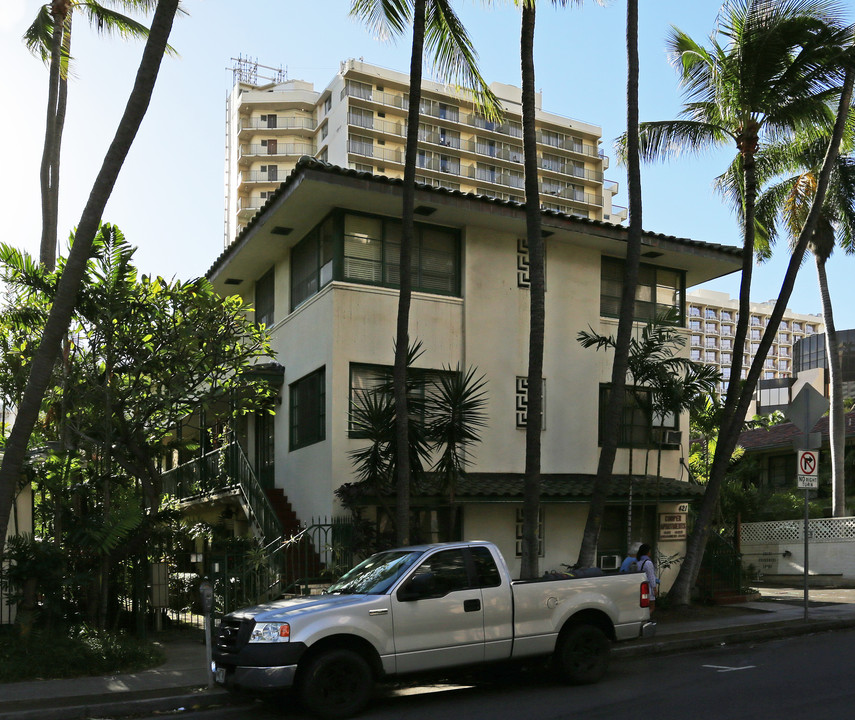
x=75, y=652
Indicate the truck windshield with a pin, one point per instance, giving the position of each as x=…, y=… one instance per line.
x=377, y=574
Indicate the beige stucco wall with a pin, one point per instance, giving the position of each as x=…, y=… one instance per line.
x=20, y=522
x=496, y=522
x=487, y=328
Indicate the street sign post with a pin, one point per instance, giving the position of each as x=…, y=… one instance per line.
x=807, y=478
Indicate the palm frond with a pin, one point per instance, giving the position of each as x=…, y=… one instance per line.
x=454, y=57
x=386, y=19
x=39, y=34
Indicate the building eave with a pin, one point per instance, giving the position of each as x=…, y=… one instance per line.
x=314, y=187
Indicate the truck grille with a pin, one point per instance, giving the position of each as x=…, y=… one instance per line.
x=228, y=634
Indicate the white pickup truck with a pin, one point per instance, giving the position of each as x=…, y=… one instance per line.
x=426, y=608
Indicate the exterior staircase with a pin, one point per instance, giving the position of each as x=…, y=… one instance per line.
x=290, y=556
x=287, y=517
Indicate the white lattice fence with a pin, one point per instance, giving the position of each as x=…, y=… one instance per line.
x=787, y=531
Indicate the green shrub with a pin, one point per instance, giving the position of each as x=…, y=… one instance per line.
x=77, y=652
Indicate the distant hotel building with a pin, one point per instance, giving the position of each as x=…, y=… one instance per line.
x=712, y=320
x=359, y=122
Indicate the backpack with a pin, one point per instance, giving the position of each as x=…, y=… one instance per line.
x=632, y=567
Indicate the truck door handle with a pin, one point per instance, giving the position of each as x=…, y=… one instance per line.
x=471, y=605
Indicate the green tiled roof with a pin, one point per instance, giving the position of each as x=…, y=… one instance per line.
x=559, y=487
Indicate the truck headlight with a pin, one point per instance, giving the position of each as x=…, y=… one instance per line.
x=270, y=632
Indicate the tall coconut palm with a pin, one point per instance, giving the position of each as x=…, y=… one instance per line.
x=437, y=29
x=777, y=72
x=626, y=318
x=537, y=309
x=49, y=37
x=75, y=268
x=836, y=225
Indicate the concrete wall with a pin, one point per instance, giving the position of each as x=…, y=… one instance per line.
x=20, y=521
x=776, y=550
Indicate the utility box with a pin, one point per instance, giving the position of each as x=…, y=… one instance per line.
x=159, y=585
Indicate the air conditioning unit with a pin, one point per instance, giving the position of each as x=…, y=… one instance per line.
x=609, y=562
x=672, y=437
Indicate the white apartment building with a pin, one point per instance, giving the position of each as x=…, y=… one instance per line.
x=712, y=320
x=319, y=264
x=359, y=122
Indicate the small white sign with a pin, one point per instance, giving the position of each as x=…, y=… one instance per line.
x=807, y=482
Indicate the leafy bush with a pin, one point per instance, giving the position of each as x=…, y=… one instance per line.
x=77, y=652
x=788, y=506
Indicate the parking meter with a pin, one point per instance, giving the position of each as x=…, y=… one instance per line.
x=206, y=595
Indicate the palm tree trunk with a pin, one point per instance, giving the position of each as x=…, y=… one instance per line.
x=48, y=253
x=399, y=372
x=836, y=416
x=47, y=247
x=735, y=409
x=612, y=420
x=534, y=422
x=69, y=284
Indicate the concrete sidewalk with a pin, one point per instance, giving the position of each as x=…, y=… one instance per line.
x=182, y=682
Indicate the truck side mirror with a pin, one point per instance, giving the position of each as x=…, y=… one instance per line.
x=417, y=587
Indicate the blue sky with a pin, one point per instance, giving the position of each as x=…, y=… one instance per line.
x=169, y=197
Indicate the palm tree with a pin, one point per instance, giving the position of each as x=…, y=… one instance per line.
x=436, y=28
x=836, y=225
x=537, y=310
x=777, y=73
x=447, y=413
x=620, y=363
x=455, y=413
x=75, y=268
x=663, y=382
x=49, y=37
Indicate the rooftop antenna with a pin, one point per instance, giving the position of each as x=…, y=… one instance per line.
x=246, y=70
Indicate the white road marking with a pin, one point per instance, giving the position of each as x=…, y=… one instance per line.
x=725, y=668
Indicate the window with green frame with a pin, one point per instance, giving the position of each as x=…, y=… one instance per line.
x=639, y=425
x=366, y=249
x=264, y=298
x=312, y=263
x=307, y=410
x=366, y=378
x=659, y=290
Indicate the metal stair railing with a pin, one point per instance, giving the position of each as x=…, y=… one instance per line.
x=226, y=468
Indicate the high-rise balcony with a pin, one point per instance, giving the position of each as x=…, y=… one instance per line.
x=569, y=145
x=365, y=149
x=275, y=125
x=378, y=125
x=273, y=151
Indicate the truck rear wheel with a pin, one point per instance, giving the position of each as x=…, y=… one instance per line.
x=582, y=654
x=336, y=684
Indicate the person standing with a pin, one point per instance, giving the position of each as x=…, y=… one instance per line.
x=645, y=565
x=630, y=563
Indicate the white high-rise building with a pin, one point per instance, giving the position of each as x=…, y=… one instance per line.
x=358, y=122
x=712, y=317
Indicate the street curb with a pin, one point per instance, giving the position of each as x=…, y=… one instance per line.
x=734, y=636
x=125, y=704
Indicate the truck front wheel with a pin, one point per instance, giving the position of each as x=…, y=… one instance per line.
x=336, y=684
x=582, y=654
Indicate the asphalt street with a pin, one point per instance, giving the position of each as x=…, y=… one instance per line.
x=802, y=678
